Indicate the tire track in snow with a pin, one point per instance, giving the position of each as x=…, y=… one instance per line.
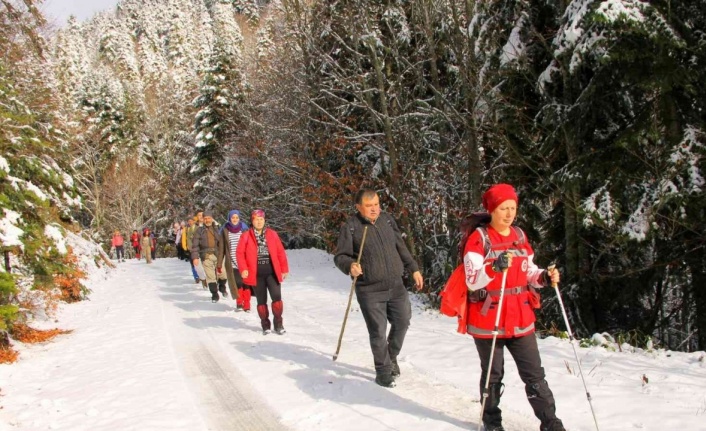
x=224, y=397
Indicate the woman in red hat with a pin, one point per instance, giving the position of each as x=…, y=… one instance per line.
x=488, y=252
x=263, y=265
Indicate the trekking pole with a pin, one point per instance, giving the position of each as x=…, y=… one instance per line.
x=350, y=295
x=571, y=340
x=492, y=348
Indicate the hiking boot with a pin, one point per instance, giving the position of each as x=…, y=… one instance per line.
x=197, y=281
x=385, y=380
x=238, y=308
x=395, y=370
x=553, y=425
x=265, y=331
x=222, y=288
x=490, y=427
x=280, y=330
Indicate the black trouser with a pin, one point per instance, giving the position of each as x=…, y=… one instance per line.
x=381, y=307
x=525, y=352
x=267, y=281
x=119, y=252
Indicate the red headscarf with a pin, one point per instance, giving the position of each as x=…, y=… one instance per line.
x=498, y=194
x=257, y=213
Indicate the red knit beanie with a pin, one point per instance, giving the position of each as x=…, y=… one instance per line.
x=498, y=194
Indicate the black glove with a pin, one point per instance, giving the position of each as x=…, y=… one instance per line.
x=501, y=263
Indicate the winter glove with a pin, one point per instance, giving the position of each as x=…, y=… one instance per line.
x=219, y=270
x=501, y=263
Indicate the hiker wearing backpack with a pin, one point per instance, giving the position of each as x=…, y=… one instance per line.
x=379, y=287
x=492, y=254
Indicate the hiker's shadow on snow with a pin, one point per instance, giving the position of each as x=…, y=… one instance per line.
x=342, y=383
x=227, y=321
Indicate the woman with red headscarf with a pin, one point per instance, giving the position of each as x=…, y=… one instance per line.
x=263, y=264
x=488, y=252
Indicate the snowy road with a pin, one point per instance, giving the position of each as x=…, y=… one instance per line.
x=150, y=351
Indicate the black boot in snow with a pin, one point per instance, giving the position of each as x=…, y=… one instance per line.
x=492, y=415
x=395, y=371
x=213, y=287
x=222, y=288
x=385, y=379
x=541, y=399
x=554, y=425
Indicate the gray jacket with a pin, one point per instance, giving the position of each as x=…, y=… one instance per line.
x=385, y=254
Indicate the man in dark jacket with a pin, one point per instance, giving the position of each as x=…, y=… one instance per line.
x=379, y=287
x=204, y=249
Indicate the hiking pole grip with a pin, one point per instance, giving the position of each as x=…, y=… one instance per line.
x=350, y=295
x=550, y=268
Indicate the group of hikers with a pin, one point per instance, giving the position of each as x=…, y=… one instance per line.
x=146, y=242
x=497, y=272
x=239, y=258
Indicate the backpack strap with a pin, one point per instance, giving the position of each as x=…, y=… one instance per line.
x=483, y=231
x=522, y=238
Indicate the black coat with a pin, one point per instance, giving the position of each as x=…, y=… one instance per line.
x=385, y=254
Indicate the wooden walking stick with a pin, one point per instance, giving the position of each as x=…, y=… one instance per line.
x=350, y=296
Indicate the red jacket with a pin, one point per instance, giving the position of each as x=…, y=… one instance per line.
x=135, y=239
x=117, y=241
x=246, y=255
x=478, y=318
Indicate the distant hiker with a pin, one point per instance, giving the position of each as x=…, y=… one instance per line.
x=176, y=240
x=146, y=245
x=474, y=294
x=153, y=250
x=185, y=255
x=263, y=264
x=204, y=249
x=118, y=243
x=135, y=242
x=231, y=233
x=186, y=240
x=379, y=287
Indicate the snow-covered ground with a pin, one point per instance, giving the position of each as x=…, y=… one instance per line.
x=149, y=351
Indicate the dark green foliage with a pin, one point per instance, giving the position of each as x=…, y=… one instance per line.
x=8, y=310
